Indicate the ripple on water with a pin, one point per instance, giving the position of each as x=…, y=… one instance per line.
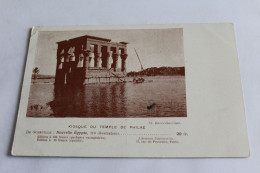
x=166, y=94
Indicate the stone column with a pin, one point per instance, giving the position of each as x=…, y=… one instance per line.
x=97, y=59
x=70, y=60
x=115, y=58
x=72, y=57
x=86, y=62
x=78, y=65
x=123, y=57
x=67, y=57
x=89, y=61
x=66, y=63
x=59, y=63
x=80, y=59
x=72, y=67
x=58, y=76
x=108, y=54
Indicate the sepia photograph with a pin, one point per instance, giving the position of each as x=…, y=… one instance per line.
x=131, y=91
x=130, y=86
x=134, y=73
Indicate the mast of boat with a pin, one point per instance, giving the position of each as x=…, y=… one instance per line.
x=139, y=60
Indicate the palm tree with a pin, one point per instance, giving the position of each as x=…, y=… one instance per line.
x=35, y=72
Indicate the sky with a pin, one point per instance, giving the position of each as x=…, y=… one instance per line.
x=155, y=47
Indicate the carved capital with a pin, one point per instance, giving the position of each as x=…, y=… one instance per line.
x=81, y=56
x=123, y=56
x=97, y=55
x=72, y=57
x=108, y=54
x=86, y=53
x=115, y=56
x=67, y=57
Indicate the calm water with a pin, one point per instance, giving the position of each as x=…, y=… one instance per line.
x=165, y=96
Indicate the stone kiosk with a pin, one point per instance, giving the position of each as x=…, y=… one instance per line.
x=88, y=59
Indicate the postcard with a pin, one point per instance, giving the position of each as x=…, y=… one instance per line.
x=132, y=91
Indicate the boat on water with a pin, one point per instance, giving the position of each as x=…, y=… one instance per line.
x=139, y=79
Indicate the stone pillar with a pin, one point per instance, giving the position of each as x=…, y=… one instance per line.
x=86, y=62
x=97, y=55
x=72, y=68
x=97, y=59
x=72, y=57
x=70, y=60
x=115, y=58
x=58, y=77
x=107, y=60
x=59, y=63
x=123, y=57
x=108, y=54
x=80, y=60
x=68, y=68
x=78, y=65
x=89, y=61
x=67, y=57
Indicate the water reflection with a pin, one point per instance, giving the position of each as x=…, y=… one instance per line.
x=89, y=101
x=164, y=97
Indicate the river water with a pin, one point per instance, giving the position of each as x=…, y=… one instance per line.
x=160, y=96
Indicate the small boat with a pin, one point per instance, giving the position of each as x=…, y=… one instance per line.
x=138, y=80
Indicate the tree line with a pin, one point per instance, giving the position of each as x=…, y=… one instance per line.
x=159, y=71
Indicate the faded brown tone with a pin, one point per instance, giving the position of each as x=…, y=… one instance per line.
x=156, y=47
x=90, y=80
x=215, y=120
x=74, y=61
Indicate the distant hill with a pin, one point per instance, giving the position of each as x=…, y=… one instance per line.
x=160, y=71
x=42, y=76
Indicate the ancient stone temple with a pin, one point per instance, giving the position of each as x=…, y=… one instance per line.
x=88, y=59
